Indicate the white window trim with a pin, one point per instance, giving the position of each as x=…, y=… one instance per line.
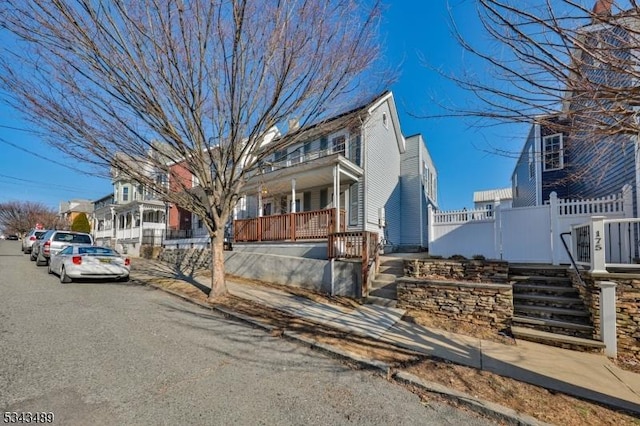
x=560, y=152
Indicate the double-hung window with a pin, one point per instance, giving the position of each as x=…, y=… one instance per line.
x=552, y=150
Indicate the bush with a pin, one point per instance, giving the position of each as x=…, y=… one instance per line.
x=457, y=257
x=479, y=257
x=81, y=224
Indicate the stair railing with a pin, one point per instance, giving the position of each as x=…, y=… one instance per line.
x=573, y=262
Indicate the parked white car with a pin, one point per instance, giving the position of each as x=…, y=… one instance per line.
x=89, y=262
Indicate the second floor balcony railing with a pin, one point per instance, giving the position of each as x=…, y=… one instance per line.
x=301, y=156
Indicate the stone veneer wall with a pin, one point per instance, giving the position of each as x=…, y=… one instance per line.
x=482, y=304
x=495, y=271
x=627, y=308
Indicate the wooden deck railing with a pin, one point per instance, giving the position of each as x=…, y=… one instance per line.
x=354, y=245
x=288, y=227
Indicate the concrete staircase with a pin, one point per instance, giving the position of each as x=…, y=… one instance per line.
x=383, y=290
x=548, y=309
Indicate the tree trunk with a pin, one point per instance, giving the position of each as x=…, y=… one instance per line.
x=218, y=284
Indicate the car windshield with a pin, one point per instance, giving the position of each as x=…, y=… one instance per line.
x=72, y=238
x=40, y=233
x=100, y=251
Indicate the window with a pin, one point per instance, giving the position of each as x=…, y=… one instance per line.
x=337, y=144
x=532, y=164
x=306, y=201
x=324, y=143
x=385, y=120
x=353, y=204
x=552, y=152
x=324, y=198
x=354, y=149
x=125, y=193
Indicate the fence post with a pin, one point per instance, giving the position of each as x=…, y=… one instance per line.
x=497, y=229
x=608, y=328
x=430, y=225
x=597, y=245
x=555, y=226
x=627, y=200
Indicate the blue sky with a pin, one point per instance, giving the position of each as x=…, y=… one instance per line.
x=409, y=32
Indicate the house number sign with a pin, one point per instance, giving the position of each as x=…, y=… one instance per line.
x=597, y=241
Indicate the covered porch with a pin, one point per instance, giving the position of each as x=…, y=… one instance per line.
x=305, y=201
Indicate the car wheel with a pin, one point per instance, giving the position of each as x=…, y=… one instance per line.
x=32, y=256
x=123, y=279
x=40, y=261
x=49, y=268
x=63, y=276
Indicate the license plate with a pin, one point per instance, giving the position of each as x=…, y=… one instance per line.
x=105, y=260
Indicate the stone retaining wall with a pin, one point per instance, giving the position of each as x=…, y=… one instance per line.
x=481, y=304
x=495, y=271
x=627, y=308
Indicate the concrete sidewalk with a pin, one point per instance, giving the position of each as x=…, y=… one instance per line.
x=584, y=375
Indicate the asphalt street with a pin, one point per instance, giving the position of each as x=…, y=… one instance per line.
x=114, y=353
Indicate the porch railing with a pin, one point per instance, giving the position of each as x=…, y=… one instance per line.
x=356, y=245
x=288, y=227
x=605, y=244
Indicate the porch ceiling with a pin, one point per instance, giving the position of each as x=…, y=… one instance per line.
x=310, y=174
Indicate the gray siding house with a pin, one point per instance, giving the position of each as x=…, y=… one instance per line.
x=356, y=164
x=418, y=183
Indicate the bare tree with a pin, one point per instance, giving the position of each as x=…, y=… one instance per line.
x=199, y=82
x=20, y=216
x=572, y=66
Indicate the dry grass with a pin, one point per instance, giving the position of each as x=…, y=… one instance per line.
x=545, y=405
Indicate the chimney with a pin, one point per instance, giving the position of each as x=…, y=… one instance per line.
x=602, y=7
x=294, y=124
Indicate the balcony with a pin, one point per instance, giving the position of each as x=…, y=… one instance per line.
x=311, y=225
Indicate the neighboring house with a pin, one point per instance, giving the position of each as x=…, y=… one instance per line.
x=559, y=157
x=487, y=199
x=128, y=217
x=419, y=189
x=69, y=210
x=345, y=174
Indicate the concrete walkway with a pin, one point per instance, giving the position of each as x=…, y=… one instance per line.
x=584, y=375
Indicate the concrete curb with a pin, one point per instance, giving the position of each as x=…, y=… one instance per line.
x=486, y=408
x=497, y=411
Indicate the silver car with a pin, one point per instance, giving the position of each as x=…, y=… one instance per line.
x=30, y=238
x=53, y=241
x=89, y=262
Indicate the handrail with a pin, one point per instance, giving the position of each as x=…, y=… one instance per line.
x=573, y=262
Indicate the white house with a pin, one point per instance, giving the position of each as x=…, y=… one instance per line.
x=487, y=199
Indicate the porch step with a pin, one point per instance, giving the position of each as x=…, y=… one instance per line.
x=388, y=278
x=549, y=310
x=547, y=299
x=540, y=279
x=389, y=291
x=552, y=323
x=381, y=301
x=393, y=270
x=541, y=288
x=538, y=270
x=556, y=339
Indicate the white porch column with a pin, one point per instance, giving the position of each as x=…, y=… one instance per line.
x=608, y=328
x=336, y=194
x=260, y=201
x=597, y=245
x=293, y=196
x=497, y=229
x=141, y=212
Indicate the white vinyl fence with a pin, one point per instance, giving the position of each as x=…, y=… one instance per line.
x=524, y=234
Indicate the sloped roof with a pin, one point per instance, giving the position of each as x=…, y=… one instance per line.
x=492, y=194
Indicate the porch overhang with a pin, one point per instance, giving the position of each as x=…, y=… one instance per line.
x=319, y=172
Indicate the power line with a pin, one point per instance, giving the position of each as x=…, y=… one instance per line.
x=35, y=154
x=47, y=184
